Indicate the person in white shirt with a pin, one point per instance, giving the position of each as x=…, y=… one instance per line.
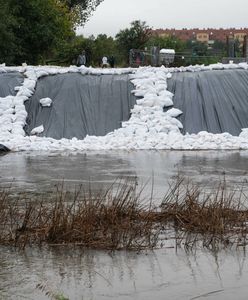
x=105, y=62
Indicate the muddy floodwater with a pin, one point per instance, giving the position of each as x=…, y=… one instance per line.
x=166, y=273
x=162, y=274
x=40, y=172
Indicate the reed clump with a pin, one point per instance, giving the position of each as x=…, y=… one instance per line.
x=109, y=219
x=117, y=218
x=216, y=216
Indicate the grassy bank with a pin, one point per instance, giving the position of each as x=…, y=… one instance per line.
x=118, y=218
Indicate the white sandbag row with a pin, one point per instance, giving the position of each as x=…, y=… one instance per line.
x=148, y=128
x=25, y=91
x=199, y=68
x=148, y=115
x=6, y=114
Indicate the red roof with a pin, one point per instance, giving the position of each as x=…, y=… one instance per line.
x=188, y=34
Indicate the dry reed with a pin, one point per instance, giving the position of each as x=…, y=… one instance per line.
x=108, y=219
x=116, y=218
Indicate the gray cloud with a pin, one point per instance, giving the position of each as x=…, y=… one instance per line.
x=113, y=15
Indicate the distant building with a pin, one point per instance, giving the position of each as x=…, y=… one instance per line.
x=207, y=36
x=202, y=37
x=240, y=36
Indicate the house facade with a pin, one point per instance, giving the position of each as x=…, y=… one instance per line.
x=207, y=36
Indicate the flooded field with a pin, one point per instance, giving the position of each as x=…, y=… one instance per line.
x=40, y=172
x=162, y=274
x=166, y=273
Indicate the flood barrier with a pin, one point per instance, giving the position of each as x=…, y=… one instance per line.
x=8, y=82
x=81, y=105
x=214, y=101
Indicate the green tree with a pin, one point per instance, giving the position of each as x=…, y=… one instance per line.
x=219, y=45
x=7, y=38
x=199, y=48
x=68, y=51
x=134, y=37
x=37, y=30
x=238, y=48
x=43, y=25
x=103, y=46
x=200, y=53
x=168, y=42
x=218, y=49
x=81, y=9
x=95, y=49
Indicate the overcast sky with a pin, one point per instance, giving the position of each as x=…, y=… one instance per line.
x=113, y=15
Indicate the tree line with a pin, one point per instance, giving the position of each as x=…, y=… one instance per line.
x=140, y=36
x=33, y=31
x=43, y=32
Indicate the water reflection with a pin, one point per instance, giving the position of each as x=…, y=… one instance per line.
x=162, y=274
x=39, y=172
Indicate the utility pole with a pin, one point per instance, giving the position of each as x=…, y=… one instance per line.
x=245, y=48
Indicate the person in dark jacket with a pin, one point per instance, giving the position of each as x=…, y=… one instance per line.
x=111, y=61
x=81, y=60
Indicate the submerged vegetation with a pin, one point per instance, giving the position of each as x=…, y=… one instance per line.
x=118, y=218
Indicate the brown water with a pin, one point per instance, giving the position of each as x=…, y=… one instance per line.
x=84, y=274
x=40, y=172
x=162, y=274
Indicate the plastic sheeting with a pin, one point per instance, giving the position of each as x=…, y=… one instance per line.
x=3, y=149
x=214, y=101
x=81, y=105
x=8, y=81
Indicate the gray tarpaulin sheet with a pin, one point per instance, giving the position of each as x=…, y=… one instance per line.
x=8, y=81
x=3, y=149
x=214, y=101
x=82, y=104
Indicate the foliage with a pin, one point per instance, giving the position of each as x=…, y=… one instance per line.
x=217, y=50
x=134, y=37
x=81, y=9
x=35, y=28
x=199, y=48
x=219, y=45
x=103, y=46
x=238, y=48
x=68, y=50
x=95, y=49
x=168, y=42
x=38, y=31
x=197, y=52
x=7, y=38
x=42, y=31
